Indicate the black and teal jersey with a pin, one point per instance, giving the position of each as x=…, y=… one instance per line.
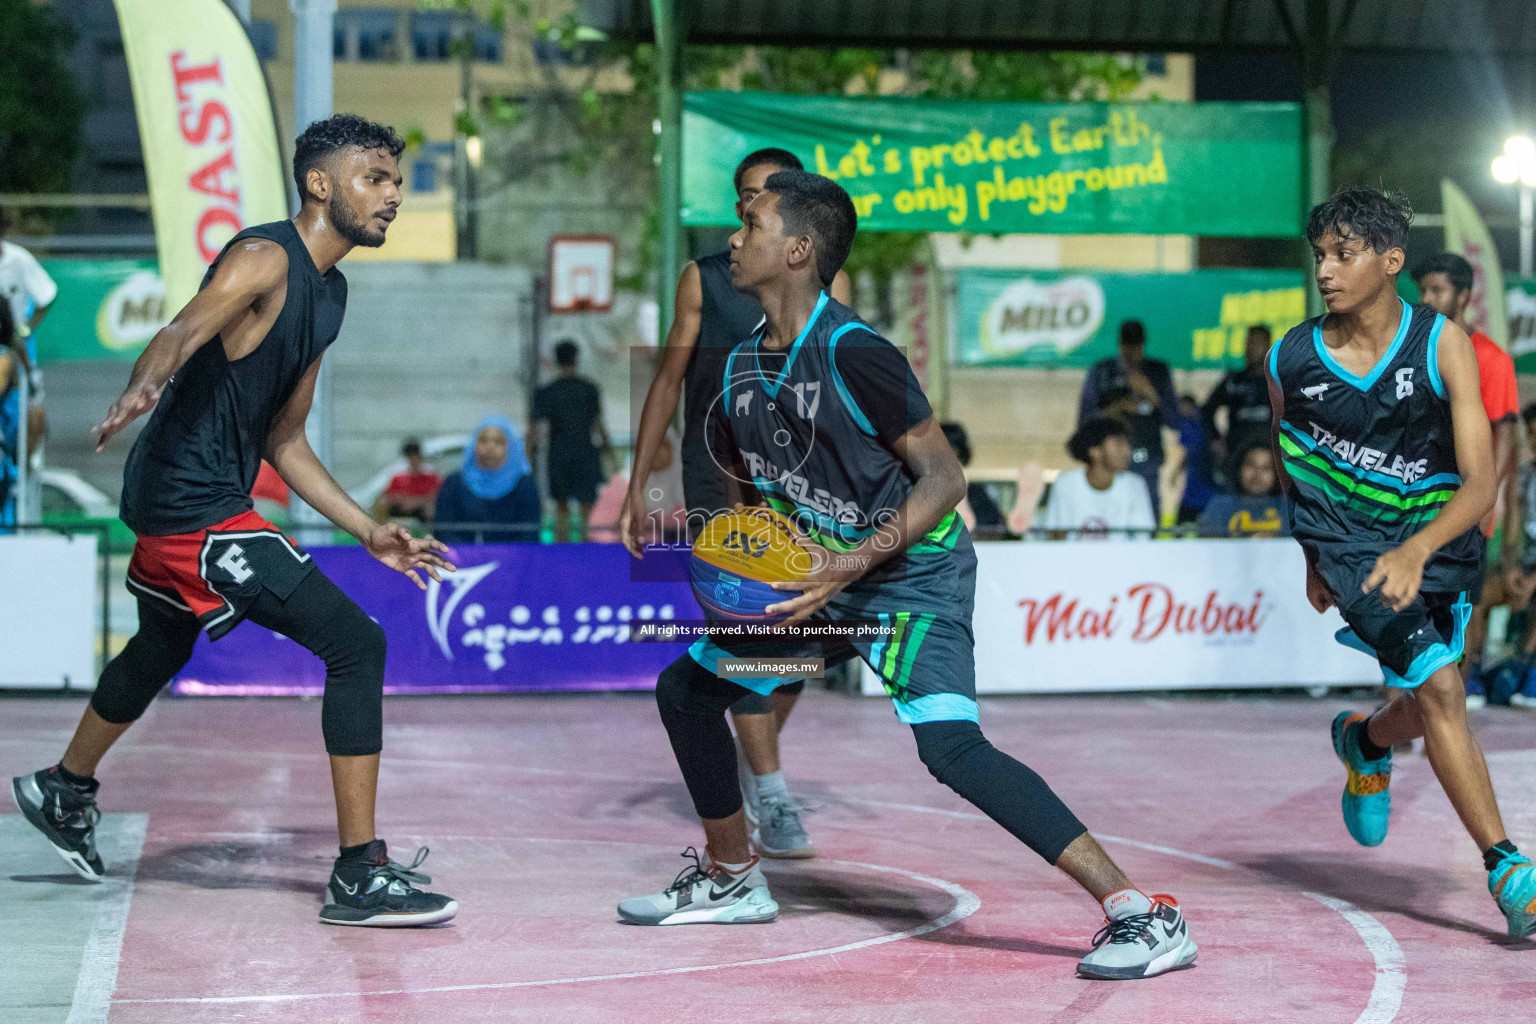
x=1373, y=458
x=811, y=428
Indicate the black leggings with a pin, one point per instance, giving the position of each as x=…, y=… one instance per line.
x=693, y=702
x=317, y=615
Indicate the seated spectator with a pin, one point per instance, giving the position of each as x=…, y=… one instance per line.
x=495, y=486
x=409, y=494
x=666, y=511
x=1257, y=510
x=271, y=495
x=1197, y=464
x=977, y=507
x=1105, y=495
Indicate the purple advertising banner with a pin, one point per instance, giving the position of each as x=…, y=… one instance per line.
x=515, y=617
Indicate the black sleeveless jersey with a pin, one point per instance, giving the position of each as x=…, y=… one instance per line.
x=196, y=461
x=803, y=441
x=1372, y=458
x=727, y=318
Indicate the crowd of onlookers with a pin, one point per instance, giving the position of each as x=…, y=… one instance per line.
x=26, y=293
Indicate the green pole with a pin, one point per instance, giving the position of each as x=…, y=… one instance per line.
x=669, y=153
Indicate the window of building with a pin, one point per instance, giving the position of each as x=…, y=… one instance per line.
x=433, y=32
x=367, y=33
x=424, y=175
x=263, y=39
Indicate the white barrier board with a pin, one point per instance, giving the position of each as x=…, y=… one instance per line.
x=1080, y=616
x=48, y=611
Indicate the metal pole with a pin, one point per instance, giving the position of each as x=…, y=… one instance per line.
x=1527, y=232
x=314, y=24
x=669, y=152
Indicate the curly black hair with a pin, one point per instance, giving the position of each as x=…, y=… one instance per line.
x=1378, y=217
x=1094, y=433
x=335, y=133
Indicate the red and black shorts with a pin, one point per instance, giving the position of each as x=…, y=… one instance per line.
x=217, y=572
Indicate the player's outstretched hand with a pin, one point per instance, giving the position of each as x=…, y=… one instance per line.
x=393, y=545
x=1397, y=574
x=130, y=405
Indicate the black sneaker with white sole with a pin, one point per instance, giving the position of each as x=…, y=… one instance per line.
x=65, y=815
x=373, y=891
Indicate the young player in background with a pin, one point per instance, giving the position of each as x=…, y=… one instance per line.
x=1384, y=442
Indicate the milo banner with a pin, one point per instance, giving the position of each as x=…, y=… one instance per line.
x=1071, y=318
x=106, y=309
x=1065, y=168
x=205, y=121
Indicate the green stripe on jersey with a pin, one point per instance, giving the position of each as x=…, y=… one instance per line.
x=1353, y=489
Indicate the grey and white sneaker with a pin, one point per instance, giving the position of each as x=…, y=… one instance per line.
x=66, y=817
x=779, y=833
x=1146, y=937
x=702, y=893
x=748, y=783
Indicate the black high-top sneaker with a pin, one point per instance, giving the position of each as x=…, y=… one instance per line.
x=65, y=815
x=373, y=891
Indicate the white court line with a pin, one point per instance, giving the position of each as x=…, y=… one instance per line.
x=104, y=946
x=966, y=904
x=1391, y=975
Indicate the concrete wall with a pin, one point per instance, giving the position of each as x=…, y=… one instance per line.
x=426, y=348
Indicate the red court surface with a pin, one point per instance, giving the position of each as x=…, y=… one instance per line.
x=543, y=812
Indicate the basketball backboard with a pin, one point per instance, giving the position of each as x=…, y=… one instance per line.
x=580, y=273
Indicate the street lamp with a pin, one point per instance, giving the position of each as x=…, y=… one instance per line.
x=1517, y=164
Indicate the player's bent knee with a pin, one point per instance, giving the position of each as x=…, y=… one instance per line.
x=1442, y=695
x=943, y=746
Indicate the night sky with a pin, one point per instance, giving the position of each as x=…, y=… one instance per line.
x=1406, y=121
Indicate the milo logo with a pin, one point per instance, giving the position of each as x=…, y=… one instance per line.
x=1046, y=319
x=132, y=312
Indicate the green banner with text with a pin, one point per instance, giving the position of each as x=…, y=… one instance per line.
x=1229, y=169
x=1521, y=305
x=1071, y=318
x=106, y=309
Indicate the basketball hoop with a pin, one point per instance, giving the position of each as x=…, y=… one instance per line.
x=580, y=273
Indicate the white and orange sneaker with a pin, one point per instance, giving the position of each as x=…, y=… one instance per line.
x=1143, y=937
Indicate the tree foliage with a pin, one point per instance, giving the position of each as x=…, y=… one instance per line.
x=570, y=120
x=40, y=108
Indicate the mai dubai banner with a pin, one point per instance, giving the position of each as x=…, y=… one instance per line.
x=205, y=123
x=1055, y=168
x=1071, y=318
x=515, y=617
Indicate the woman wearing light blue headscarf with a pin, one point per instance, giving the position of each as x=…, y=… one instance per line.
x=495, y=486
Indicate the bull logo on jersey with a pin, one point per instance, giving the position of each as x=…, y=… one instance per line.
x=744, y=403
x=1404, y=382
x=807, y=398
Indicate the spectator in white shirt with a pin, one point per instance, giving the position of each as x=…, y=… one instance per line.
x=1104, y=496
x=30, y=291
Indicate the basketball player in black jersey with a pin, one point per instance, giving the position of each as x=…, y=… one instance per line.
x=1385, y=449
x=230, y=381
x=710, y=318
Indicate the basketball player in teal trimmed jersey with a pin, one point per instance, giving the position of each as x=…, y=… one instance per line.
x=1386, y=451
x=824, y=420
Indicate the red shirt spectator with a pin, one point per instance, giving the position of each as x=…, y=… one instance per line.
x=270, y=486
x=409, y=494
x=1501, y=397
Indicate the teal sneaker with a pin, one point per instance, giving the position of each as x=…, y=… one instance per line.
x=1367, y=801
x=1512, y=883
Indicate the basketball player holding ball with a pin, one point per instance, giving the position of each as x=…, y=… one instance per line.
x=824, y=421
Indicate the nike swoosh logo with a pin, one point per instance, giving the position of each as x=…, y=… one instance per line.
x=351, y=890
x=720, y=894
